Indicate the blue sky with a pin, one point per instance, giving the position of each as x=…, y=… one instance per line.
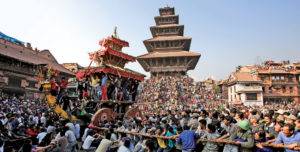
x=226, y=33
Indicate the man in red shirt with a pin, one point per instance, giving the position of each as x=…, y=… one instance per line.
x=53, y=87
x=62, y=88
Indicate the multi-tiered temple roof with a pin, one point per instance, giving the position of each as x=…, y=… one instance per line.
x=110, y=59
x=168, y=50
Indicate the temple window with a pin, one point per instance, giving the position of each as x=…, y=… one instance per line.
x=176, y=43
x=167, y=43
x=291, y=90
x=152, y=44
x=157, y=44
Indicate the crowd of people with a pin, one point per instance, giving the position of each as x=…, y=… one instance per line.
x=103, y=86
x=176, y=90
x=179, y=120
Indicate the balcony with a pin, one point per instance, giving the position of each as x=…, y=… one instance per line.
x=241, y=89
x=17, y=69
x=278, y=82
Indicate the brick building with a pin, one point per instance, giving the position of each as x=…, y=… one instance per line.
x=222, y=90
x=280, y=81
x=272, y=82
x=18, y=65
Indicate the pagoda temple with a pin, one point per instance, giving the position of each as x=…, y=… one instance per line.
x=110, y=59
x=168, y=50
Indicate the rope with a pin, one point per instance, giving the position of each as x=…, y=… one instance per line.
x=202, y=140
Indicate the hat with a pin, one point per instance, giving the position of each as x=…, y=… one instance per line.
x=91, y=126
x=125, y=138
x=244, y=125
x=152, y=129
x=256, y=117
x=195, y=115
x=292, y=117
x=280, y=117
x=280, y=111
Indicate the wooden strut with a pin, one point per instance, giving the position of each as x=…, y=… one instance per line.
x=202, y=140
x=95, y=53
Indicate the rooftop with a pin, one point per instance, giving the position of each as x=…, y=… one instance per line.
x=27, y=55
x=241, y=77
x=168, y=38
x=169, y=54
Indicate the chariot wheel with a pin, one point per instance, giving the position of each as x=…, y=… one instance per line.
x=133, y=113
x=103, y=114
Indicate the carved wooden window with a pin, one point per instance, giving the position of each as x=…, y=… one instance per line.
x=176, y=43
x=160, y=61
x=167, y=43
x=168, y=61
x=157, y=44
x=173, y=29
x=152, y=44
x=163, y=44
x=290, y=79
x=291, y=90
x=171, y=44
x=14, y=81
x=32, y=84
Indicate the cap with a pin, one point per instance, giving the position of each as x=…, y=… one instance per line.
x=280, y=117
x=91, y=126
x=195, y=115
x=125, y=138
x=292, y=117
x=255, y=117
x=244, y=125
x=280, y=111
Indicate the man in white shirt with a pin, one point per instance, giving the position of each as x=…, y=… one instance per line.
x=86, y=132
x=36, y=120
x=43, y=119
x=71, y=127
x=41, y=135
x=88, y=142
x=72, y=142
x=51, y=127
x=3, y=119
x=20, y=119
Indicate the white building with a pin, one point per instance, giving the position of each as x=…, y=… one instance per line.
x=244, y=89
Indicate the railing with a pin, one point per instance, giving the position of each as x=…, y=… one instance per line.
x=17, y=69
x=278, y=82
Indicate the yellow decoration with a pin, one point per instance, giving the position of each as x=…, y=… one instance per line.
x=51, y=101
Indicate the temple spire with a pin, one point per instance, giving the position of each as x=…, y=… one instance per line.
x=115, y=33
